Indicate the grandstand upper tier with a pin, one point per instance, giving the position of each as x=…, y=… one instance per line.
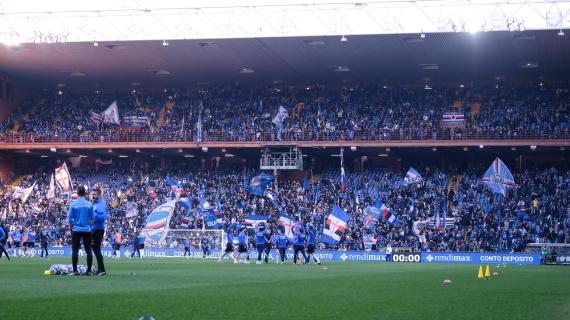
x=354, y=114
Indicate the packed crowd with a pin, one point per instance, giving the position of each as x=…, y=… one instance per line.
x=535, y=211
x=359, y=112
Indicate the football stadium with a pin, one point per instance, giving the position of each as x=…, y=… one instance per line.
x=285, y=159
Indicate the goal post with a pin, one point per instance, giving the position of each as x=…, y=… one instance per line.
x=174, y=239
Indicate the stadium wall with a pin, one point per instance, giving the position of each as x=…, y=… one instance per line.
x=6, y=166
x=12, y=93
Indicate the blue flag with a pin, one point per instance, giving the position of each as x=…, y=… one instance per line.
x=371, y=216
x=335, y=225
x=272, y=197
x=213, y=219
x=259, y=183
x=412, y=176
x=498, y=178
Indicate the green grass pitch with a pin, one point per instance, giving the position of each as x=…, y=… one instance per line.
x=204, y=289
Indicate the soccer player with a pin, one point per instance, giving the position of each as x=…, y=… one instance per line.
x=117, y=240
x=260, y=243
x=80, y=217
x=186, y=243
x=31, y=242
x=242, y=245
x=311, y=244
x=299, y=246
x=205, y=246
x=138, y=245
x=3, y=237
x=44, y=239
x=100, y=208
x=229, y=244
x=16, y=241
x=282, y=243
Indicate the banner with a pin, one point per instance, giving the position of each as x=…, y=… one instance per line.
x=323, y=255
x=158, y=220
x=480, y=258
x=453, y=119
x=63, y=178
x=330, y=255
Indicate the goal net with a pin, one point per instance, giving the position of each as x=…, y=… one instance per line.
x=176, y=239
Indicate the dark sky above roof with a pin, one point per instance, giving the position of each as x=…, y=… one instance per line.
x=395, y=59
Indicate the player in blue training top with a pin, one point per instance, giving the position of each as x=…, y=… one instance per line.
x=205, y=246
x=281, y=244
x=261, y=242
x=186, y=243
x=80, y=217
x=98, y=232
x=230, y=237
x=242, y=245
x=311, y=244
x=299, y=246
x=138, y=245
x=31, y=251
x=16, y=236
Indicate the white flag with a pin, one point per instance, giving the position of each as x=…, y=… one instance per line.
x=281, y=115
x=51, y=190
x=63, y=178
x=111, y=114
x=23, y=193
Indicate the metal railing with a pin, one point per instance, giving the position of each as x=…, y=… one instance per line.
x=268, y=137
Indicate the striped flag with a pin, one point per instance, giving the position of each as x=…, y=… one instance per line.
x=252, y=221
x=335, y=225
x=96, y=117
x=136, y=121
x=157, y=222
x=288, y=223
x=387, y=214
x=453, y=119
x=498, y=177
x=412, y=176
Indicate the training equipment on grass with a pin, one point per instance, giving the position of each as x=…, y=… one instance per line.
x=64, y=269
x=480, y=275
x=446, y=281
x=488, y=272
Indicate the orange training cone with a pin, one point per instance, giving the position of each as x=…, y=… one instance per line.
x=480, y=276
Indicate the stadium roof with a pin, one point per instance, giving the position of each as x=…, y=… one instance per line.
x=40, y=21
x=449, y=58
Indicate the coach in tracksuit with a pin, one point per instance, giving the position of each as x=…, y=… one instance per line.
x=44, y=239
x=100, y=209
x=80, y=217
